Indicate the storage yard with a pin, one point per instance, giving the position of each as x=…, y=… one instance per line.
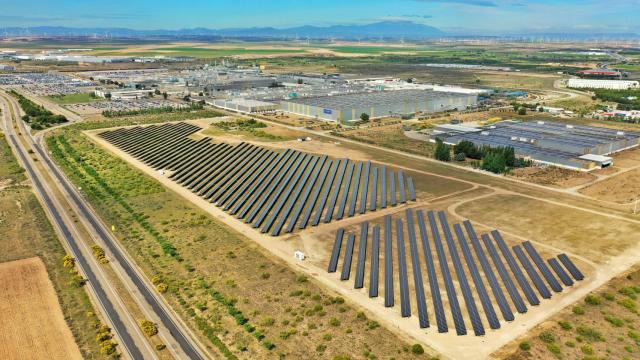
x=573, y=146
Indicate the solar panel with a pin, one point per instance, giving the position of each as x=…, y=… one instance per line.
x=345, y=193
x=515, y=269
x=311, y=184
x=564, y=277
x=356, y=190
x=263, y=194
x=551, y=280
x=388, y=263
x=507, y=314
x=458, y=321
x=373, y=199
x=537, y=281
x=201, y=160
x=405, y=303
x=441, y=319
x=489, y=311
x=211, y=165
x=476, y=322
x=328, y=175
x=230, y=199
x=383, y=187
x=375, y=263
x=423, y=317
x=247, y=198
x=412, y=189
x=403, y=192
x=209, y=186
x=335, y=253
x=392, y=189
x=280, y=188
x=334, y=195
x=348, y=254
x=365, y=187
x=219, y=166
x=506, y=279
x=284, y=215
x=362, y=255
x=220, y=196
x=571, y=267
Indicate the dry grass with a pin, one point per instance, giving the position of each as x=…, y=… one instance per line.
x=610, y=311
x=553, y=176
x=623, y=188
x=32, y=326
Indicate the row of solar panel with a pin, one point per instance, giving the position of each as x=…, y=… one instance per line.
x=274, y=191
x=444, y=275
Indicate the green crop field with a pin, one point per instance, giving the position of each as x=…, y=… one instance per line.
x=73, y=98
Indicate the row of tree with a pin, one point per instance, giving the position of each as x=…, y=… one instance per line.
x=37, y=116
x=498, y=160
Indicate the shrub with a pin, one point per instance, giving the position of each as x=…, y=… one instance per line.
x=578, y=310
x=442, y=151
x=570, y=344
x=592, y=300
x=268, y=344
x=161, y=347
x=417, y=349
x=268, y=321
x=590, y=334
x=628, y=291
x=547, y=337
x=321, y=348
x=327, y=337
x=460, y=157
x=608, y=296
x=586, y=349
x=361, y=315
x=525, y=346
x=265, y=275
x=162, y=288
x=565, y=325
x=617, y=322
x=148, y=327
x=554, y=349
x=302, y=279
x=334, y=322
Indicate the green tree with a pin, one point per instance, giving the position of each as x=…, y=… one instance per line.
x=442, y=152
x=364, y=117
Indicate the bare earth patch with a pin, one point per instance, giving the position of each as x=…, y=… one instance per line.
x=553, y=176
x=32, y=326
x=623, y=188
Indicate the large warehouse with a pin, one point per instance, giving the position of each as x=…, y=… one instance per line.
x=349, y=107
x=602, y=84
x=566, y=145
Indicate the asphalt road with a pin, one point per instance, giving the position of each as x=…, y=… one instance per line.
x=119, y=327
x=181, y=342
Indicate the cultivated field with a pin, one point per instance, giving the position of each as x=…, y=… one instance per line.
x=32, y=326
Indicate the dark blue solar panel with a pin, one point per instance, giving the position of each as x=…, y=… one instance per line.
x=362, y=255
x=537, y=281
x=335, y=253
x=373, y=199
x=375, y=263
x=515, y=269
x=392, y=189
x=383, y=187
x=506, y=279
x=405, y=302
x=312, y=184
x=564, y=277
x=348, y=254
x=356, y=190
x=423, y=317
x=441, y=318
x=544, y=269
x=335, y=193
x=388, y=263
x=365, y=187
x=328, y=176
x=403, y=192
x=507, y=314
x=571, y=267
x=412, y=189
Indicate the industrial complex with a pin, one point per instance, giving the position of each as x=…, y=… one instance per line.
x=573, y=146
x=348, y=108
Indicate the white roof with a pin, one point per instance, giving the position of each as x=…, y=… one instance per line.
x=597, y=158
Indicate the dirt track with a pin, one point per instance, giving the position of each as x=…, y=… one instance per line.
x=32, y=326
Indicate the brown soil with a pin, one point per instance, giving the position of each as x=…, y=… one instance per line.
x=623, y=188
x=553, y=176
x=32, y=326
x=613, y=314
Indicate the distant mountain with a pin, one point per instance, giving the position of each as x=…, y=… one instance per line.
x=386, y=30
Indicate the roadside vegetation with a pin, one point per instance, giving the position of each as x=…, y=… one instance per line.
x=603, y=325
x=241, y=301
x=37, y=116
x=28, y=233
x=151, y=111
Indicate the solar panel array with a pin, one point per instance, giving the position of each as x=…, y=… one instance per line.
x=274, y=191
x=510, y=288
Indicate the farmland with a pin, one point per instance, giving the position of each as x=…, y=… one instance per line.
x=33, y=325
x=25, y=224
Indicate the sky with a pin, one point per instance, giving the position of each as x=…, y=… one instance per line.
x=478, y=17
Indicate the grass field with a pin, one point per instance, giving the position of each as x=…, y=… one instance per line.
x=245, y=302
x=603, y=325
x=73, y=98
x=32, y=325
x=27, y=233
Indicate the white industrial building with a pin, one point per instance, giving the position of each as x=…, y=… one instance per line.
x=246, y=105
x=602, y=84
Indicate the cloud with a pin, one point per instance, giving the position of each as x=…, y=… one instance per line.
x=482, y=3
x=418, y=16
x=29, y=18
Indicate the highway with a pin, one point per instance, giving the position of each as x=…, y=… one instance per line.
x=175, y=334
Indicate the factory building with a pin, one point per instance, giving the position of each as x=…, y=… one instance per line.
x=246, y=105
x=602, y=84
x=349, y=107
x=572, y=146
